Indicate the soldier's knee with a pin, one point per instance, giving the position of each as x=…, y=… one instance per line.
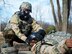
x=8, y=34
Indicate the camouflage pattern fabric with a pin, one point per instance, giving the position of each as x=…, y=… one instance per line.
x=57, y=36
x=60, y=48
x=26, y=5
x=55, y=44
x=14, y=25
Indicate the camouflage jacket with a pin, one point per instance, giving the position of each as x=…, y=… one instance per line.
x=17, y=25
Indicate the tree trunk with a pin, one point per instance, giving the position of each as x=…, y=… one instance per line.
x=69, y=5
x=65, y=15
x=69, y=22
x=54, y=15
x=59, y=16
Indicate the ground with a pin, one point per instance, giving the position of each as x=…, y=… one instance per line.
x=23, y=48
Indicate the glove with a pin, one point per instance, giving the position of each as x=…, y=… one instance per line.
x=41, y=32
x=35, y=36
x=69, y=43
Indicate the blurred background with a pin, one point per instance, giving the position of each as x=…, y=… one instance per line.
x=50, y=14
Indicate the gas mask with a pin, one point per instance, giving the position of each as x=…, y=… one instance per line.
x=24, y=15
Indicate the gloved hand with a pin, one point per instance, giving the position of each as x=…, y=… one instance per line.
x=35, y=36
x=41, y=32
x=69, y=43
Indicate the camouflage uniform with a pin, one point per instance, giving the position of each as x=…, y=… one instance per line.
x=51, y=46
x=18, y=29
x=60, y=48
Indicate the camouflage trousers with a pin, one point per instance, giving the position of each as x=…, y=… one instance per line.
x=10, y=36
x=60, y=48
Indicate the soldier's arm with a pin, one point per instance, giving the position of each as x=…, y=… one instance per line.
x=38, y=28
x=14, y=25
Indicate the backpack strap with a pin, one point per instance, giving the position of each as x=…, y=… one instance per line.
x=47, y=44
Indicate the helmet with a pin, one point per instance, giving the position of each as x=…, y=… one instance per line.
x=35, y=36
x=26, y=5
